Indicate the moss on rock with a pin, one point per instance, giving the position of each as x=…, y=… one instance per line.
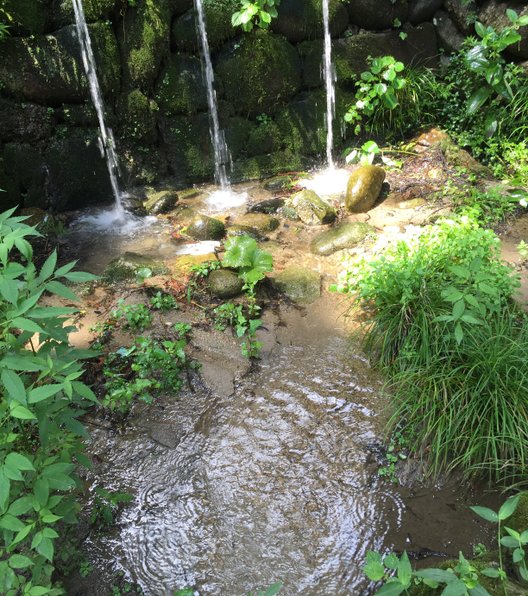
x=263, y=166
x=25, y=17
x=218, y=22
x=94, y=10
x=300, y=20
x=144, y=42
x=259, y=73
x=181, y=88
x=138, y=115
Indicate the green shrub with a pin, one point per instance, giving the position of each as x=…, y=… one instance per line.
x=41, y=403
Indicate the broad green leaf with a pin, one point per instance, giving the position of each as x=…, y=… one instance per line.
x=21, y=412
x=437, y=575
x=5, y=487
x=478, y=99
x=19, y=562
x=59, y=289
x=404, y=569
x=485, y=513
x=19, y=461
x=391, y=561
x=38, y=591
x=14, y=386
x=79, y=276
x=23, y=534
x=22, y=363
x=51, y=312
x=518, y=555
x=491, y=572
x=46, y=549
x=374, y=568
x=41, y=393
x=392, y=588
x=459, y=333
x=478, y=590
x=48, y=268
x=26, y=325
x=458, y=309
x=455, y=588
x=9, y=290
x=41, y=489
x=508, y=507
x=509, y=542
x=10, y=522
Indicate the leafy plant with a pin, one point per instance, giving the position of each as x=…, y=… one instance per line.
x=41, y=404
x=162, y=301
x=255, y=12
x=396, y=451
x=136, y=316
x=378, y=87
x=232, y=315
x=105, y=506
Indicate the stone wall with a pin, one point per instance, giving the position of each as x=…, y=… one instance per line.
x=269, y=86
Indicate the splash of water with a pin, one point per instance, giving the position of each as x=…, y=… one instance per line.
x=329, y=77
x=107, y=142
x=222, y=157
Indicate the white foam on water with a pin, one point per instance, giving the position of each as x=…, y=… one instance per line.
x=198, y=248
x=114, y=220
x=330, y=182
x=223, y=200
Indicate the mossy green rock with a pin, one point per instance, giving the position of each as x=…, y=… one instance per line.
x=224, y=283
x=202, y=227
x=144, y=41
x=310, y=208
x=218, y=20
x=30, y=16
x=236, y=230
x=181, y=88
x=267, y=206
x=260, y=222
x=300, y=20
x=138, y=115
x=94, y=10
x=161, y=202
x=24, y=121
x=48, y=68
x=344, y=236
x=126, y=266
x=259, y=73
x=377, y=15
x=364, y=187
x=299, y=284
x=278, y=183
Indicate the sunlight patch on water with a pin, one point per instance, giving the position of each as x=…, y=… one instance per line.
x=331, y=182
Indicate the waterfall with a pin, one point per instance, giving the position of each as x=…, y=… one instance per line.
x=222, y=157
x=107, y=143
x=329, y=77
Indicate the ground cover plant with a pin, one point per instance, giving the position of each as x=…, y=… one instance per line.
x=443, y=328
x=42, y=401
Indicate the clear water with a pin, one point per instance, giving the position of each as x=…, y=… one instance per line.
x=107, y=144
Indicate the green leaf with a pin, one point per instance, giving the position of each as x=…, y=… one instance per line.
x=508, y=507
x=51, y=312
x=455, y=588
x=21, y=462
x=38, y=591
x=59, y=289
x=518, y=555
x=21, y=412
x=19, y=562
x=404, y=570
x=26, y=325
x=10, y=522
x=14, y=386
x=436, y=575
x=392, y=588
x=509, y=542
x=485, y=513
x=459, y=333
x=478, y=99
x=373, y=567
x=48, y=268
x=5, y=487
x=9, y=290
x=43, y=392
x=41, y=489
x=458, y=309
x=78, y=276
x=46, y=549
x=491, y=572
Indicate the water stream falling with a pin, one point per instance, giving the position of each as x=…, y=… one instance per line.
x=222, y=156
x=107, y=142
x=329, y=77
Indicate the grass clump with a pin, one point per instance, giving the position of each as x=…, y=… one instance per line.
x=443, y=328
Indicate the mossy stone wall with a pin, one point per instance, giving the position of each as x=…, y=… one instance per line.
x=269, y=87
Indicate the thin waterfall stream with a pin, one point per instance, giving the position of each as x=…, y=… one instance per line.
x=329, y=77
x=107, y=141
x=222, y=156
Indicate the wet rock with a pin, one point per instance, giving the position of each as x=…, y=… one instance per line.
x=138, y=117
x=181, y=88
x=202, y=227
x=494, y=13
x=423, y=10
x=460, y=158
x=134, y=205
x=161, y=202
x=26, y=17
x=278, y=183
x=224, y=283
x=299, y=284
x=311, y=209
x=268, y=206
x=344, y=236
x=237, y=230
x=364, y=187
x=377, y=15
x=260, y=222
x=300, y=20
x=126, y=266
x=24, y=121
x=165, y=434
x=449, y=37
x=412, y=203
x=183, y=265
x=463, y=14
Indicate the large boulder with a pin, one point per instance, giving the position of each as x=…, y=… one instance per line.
x=261, y=223
x=181, y=86
x=218, y=24
x=364, y=187
x=178, y=7
x=205, y=228
x=24, y=121
x=350, y=54
x=31, y=17
x=449, y=37
x=377, y=15
x=310, y=208
x=224, y=283
x=78, y=175
x=344, y=236
x=143, y=39
x=300, y=20
x=299, y=284
x=494, y=13
x=23, y=176
x=94, y=10
x=48, y=68
x=259, y=73
x=161, y=202
x=423, y=10
x=463, y=14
